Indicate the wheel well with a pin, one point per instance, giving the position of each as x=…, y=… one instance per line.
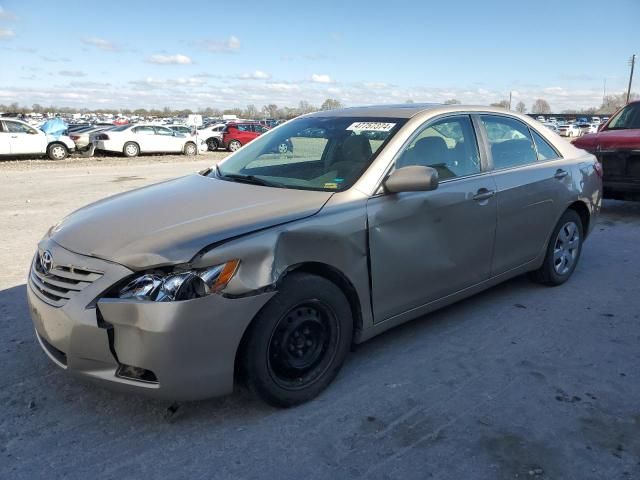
x=583, y=212
x=51, y=144
x=135, y=143
x=328, y=272
x=338, y=278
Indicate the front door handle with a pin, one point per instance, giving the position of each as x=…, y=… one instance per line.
x=484, y=194
x=560, y=174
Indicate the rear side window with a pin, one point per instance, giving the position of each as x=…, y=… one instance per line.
x=510, y=142
x=545, y=151
x=144, y=130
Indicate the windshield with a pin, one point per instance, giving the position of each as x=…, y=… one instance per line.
x=627, y=118
x=312, y=153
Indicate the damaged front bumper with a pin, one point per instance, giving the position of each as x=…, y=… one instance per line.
x=174, y=350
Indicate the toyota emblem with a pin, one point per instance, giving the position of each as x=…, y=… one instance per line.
x=46, y=260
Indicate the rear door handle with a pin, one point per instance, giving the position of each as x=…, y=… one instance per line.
x=560, y=174
x=484, y=194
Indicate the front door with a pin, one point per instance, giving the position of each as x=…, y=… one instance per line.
x=25, y=140
x=427, y=245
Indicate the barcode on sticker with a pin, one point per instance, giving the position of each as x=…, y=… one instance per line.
x=371, y=126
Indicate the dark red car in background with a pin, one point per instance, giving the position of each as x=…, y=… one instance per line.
x=236, y=135
x=617, y=146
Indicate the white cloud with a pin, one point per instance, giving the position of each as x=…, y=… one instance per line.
x=257, y=75
x=321, y=78
x=72, y=73
x=101, y=44
x=177, y=59
x=6, y=33
x=4, y=15
x=230, y=45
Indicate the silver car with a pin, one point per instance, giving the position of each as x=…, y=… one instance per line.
x=269, y=266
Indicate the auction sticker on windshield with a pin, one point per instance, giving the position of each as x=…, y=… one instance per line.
x=371, y=126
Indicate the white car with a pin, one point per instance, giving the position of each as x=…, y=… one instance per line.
x=551, y=126
x=212, y=135
x=131, y=140
x=569, y=130
x=595, y=120
x=19, y=138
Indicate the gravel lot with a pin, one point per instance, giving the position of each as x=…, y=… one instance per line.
x=521, y=381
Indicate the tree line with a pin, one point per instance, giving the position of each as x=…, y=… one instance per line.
x=540, y=106
x=250, y=111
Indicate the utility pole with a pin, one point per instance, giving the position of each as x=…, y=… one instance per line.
x=604, y=90
x=510, y=93
x=632, y=62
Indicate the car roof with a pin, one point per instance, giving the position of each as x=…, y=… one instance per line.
x=402, y=110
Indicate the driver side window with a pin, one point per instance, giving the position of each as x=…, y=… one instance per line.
x=448, y=145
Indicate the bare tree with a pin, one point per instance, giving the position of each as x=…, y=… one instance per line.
x=614, y=102
x=521, y=107
x=501, y=104
x=540, y=106
x=270, y=110
x=452, y=101
x=331, y=104
x=250, y=112
x=305, y=107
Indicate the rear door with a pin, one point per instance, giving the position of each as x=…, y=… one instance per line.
x=534, y=186
x=427, y=245
x=145, y=136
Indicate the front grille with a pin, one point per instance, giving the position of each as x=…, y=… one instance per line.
x=61, y=283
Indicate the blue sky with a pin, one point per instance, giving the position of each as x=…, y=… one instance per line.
x=130, y=54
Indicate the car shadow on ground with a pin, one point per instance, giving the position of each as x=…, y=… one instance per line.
x=619, y=211
x=22, y=357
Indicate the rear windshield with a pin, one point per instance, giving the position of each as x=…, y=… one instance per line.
x=628, y=117
x=313, y=153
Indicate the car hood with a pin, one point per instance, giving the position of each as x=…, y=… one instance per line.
x=170, y=222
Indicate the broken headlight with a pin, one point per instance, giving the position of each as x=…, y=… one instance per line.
x=179, y=285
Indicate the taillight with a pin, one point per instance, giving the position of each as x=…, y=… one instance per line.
x=598, y=168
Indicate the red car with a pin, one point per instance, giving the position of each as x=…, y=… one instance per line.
x=617, y=146
x=236, y=135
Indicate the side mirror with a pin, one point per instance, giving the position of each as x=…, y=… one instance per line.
x=413, y=178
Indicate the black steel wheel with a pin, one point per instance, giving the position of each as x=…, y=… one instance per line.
x=298, y=342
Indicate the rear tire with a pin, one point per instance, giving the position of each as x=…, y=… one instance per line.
x=563, y=251
x=190, y=149
x=234, y=145
x=57, y=151
x=298, y=342
x=212, y=144
x=131, y=149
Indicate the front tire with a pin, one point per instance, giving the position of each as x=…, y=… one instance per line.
x=298, y=342
x=563, y=251
x=234, y=145
x=57, y=151
x=131, y=149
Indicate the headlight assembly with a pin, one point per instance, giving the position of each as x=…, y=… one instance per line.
x=179, y=285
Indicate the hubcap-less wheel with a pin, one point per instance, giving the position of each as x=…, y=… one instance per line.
x=58, y=152
x=212, y=144
x=234, y=145
x=303, y=345
x=566, y=248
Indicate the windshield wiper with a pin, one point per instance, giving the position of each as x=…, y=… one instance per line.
x=248, y=179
